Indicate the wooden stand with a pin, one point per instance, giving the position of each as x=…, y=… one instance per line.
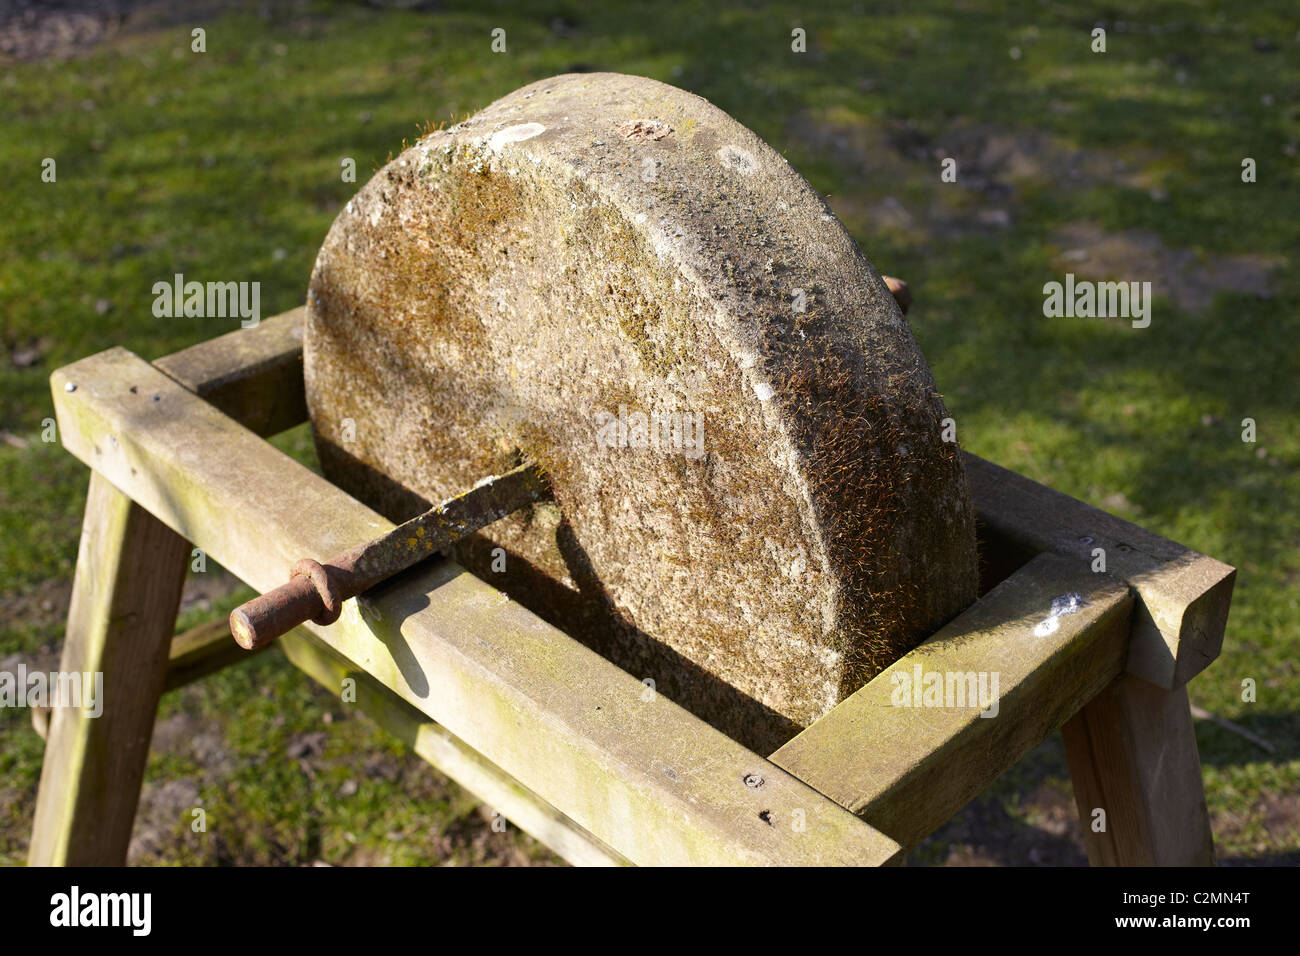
x=565, y=744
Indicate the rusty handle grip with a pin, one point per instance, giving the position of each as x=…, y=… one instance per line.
x=275, y=613
x=316, y=591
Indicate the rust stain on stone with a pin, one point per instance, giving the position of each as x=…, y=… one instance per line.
x=642, y=130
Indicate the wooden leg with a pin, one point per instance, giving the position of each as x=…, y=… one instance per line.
x=130, y=570
x=1132, y=753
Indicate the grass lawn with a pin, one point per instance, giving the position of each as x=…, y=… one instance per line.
x=225, y=165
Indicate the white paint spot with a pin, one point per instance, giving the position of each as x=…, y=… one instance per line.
x=737, y=159
x=514, y=134
x=1067, y=604
x=1062, y=606
x=1047, y=626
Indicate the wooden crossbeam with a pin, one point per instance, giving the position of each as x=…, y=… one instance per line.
x=1183, y=596
x=253, y=375
x=193, y=655
x=441, y=748
x=200, y=651
x=207, y=648
x=906, y=763
x=639, y=773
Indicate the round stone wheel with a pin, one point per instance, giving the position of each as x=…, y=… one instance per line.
x=754, y=504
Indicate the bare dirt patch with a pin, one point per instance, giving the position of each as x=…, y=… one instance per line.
x=1189, y=278
x=1277, y=815
x=984, y=833
x=40, y=606
x=37, y=31
x=885, y=160
x=163, y=807
x=62, y=29
x=993, y=166
x=989, y=157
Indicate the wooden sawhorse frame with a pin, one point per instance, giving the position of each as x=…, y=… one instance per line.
x=563, y=742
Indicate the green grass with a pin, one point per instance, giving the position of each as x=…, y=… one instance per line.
x=225, y=166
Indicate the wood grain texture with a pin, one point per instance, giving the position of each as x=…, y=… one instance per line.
x=634, y=769
x=253, y=375
x=1183, y=596
x=906, y=769
x=200, y=651
x=207, y=648
x=130, y=569
x=443, y=750
x=1132, y=753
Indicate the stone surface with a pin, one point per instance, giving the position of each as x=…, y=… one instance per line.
x=597, y=245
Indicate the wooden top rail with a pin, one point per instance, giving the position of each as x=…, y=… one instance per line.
x=1183, y=596
x=253, y=375
x=640, y=773
x=907, y=765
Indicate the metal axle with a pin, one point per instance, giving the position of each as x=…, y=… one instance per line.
x=316, y=592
